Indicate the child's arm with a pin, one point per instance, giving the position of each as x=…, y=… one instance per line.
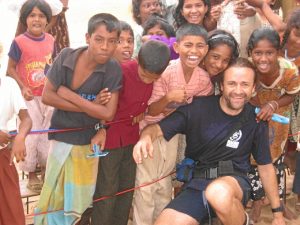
x=12, y=72
x=177, y=96
x=275, y=20
x=105, y=112
x=269, y=109
x=18, y=148
x=51, y=97
x=99, y=139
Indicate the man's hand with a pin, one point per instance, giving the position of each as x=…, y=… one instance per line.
x=27, y=93
x=99, y=139
x=18, y=149
x=143, y=149
x=103, y=97
x=4, y=138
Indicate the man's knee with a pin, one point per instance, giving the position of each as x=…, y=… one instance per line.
x=219, y=194
x=173, y=217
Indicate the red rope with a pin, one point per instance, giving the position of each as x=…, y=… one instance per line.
x=107, y=197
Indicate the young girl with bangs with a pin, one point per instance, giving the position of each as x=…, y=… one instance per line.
x=196, y=12
x=278, y=84
x=222, y=50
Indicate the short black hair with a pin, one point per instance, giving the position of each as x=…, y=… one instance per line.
x=263, y=33
x=108, y=20
x=154, y=20
x=244, y=63
x=28, y=6
x=136, y=10
x=222, y=37
x=124, y=26
x=154, y=56
x=189, y=29
x=179, y=18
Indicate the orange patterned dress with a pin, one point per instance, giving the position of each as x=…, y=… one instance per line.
x=288, y=82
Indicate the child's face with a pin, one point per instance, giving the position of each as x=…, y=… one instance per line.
x=264, y=57
x=125, y=47
x=148, y=7
x=102, y=44
x=36, y=22
x=217, y=59
x=191, y=50
x=156, y=30
x=194, y=11
x=294, y=38
x=146, y=76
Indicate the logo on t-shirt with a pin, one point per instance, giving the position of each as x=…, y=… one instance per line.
x=233, y=141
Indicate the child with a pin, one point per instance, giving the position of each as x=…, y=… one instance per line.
x=157, y=28
x=222, y=50
x=74, y=80
x=124, y=51
x=291, y=52
x=196, y=12
x=141, y=10
x=278, y=84
x=182, y=80
x=116, y=171
x=11, y=103
x=29, y=57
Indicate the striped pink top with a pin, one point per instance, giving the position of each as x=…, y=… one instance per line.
x=172, y=78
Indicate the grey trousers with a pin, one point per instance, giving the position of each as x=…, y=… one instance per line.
x=116, y=172
x=296, y=185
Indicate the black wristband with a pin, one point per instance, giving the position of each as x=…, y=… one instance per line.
x=278, y=209
x=100, y=126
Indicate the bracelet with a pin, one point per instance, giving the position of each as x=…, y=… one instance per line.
x=270, y=104
x=276, y=103
x=100, y=126
x=278, y=209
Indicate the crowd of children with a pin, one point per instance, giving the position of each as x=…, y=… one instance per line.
x=125, y=79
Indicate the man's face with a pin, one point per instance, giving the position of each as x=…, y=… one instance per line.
x=102, y=44
x=237, y=87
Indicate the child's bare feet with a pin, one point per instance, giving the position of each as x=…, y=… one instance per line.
x=256, y=211
x=288, y=214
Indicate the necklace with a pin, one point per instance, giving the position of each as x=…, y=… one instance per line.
x=288, y=58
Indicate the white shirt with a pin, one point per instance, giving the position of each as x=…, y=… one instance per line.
x=11, y=101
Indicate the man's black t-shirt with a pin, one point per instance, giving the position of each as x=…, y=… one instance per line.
x=206, y=125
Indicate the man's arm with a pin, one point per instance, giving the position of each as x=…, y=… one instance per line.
x=18, y=148
x=269, y=181
x=144, y=146
x=51, y=97
x=104, y=112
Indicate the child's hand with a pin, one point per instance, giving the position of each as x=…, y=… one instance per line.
x=265, y=113
x=215, y=12
x=99, y=139
x=243, y=10
x=27, y=93
x=177, y=95
x=138, y=118
x=4, y=138
x=18, y=149
x=255, y=3
x=103, y=97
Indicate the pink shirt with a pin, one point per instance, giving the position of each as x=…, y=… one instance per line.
x=172, y=78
